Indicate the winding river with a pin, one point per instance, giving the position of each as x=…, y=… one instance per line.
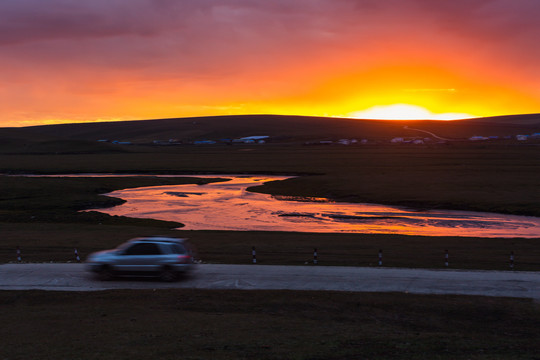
x=229, y=206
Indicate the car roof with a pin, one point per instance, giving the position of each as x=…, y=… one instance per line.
x=158, y=239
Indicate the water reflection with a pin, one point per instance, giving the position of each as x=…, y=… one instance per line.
x=228, y=206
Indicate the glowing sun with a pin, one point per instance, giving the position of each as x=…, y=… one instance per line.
x=404, y=112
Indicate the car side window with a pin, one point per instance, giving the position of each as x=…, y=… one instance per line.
x=178, y=249
x=143, y=249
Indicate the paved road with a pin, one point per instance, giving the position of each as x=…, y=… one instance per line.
x=73, y=277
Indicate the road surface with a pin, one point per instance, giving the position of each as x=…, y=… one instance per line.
x=73, y=277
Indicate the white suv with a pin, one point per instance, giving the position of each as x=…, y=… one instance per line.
x=147, y=256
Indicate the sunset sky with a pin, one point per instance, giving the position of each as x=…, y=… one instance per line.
x=100, y=60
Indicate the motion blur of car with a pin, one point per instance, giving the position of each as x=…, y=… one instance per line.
x=163, y=257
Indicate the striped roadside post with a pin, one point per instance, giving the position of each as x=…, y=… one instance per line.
x=77, y=256
x=380, y=257
x=315, y=256
x=254, y=255
x=19, y=259
x=512, y=260
x=446, y=258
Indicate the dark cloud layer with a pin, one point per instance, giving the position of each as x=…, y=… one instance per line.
x=262, y=24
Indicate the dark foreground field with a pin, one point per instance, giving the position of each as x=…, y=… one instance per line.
x=197, y=324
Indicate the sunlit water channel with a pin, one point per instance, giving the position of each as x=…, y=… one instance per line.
x=229, y=206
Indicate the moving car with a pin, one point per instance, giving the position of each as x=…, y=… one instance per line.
x=164, y=257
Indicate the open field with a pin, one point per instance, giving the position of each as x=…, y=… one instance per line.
x=472, y=177
x=496, y=176
x=283, y=129
x=44, y=242
x=200, y=324
x=40, y=215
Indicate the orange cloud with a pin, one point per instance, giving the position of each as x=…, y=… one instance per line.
x=75, y=61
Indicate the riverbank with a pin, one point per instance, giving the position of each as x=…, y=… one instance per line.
x=235, y=209
x=472, y=177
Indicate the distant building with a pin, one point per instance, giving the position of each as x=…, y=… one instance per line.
x=121, y=142
x=251, y=139
x=478, y=138
x=255, y=137
x=347, y=141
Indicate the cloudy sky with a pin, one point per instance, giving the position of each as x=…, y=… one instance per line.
x=72, y=60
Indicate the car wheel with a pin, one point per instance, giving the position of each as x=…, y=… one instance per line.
x=105, y=273
x=168, y=275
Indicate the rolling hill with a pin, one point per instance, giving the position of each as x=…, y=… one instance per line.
x=281, y=128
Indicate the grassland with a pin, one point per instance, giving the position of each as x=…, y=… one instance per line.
x=487, y=178
x=497, y=177
x=200, y=324
x=41, y=216
x=280, y=128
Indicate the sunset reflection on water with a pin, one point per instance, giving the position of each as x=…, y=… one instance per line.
x=229, y=206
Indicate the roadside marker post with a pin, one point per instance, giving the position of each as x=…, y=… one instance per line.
x=446, y=258
x=512, y=260
x=19, y=259
x=315, y=256
x=380, y=257
x=254, y=255
x=77, y=256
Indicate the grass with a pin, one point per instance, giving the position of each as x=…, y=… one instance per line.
x=280, y=128
x=485, y=178
x=27, y=199
x=44, y=242
x=41, y=216
x=201, y=324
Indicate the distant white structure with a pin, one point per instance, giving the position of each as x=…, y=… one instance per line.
x=252, y=139
x=121, y=142
x=255, y=138
x=478, y=138
x=397, y=140
x=347, y=141
x=522, y=137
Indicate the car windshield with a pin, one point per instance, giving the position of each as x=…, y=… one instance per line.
x=123, y=246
